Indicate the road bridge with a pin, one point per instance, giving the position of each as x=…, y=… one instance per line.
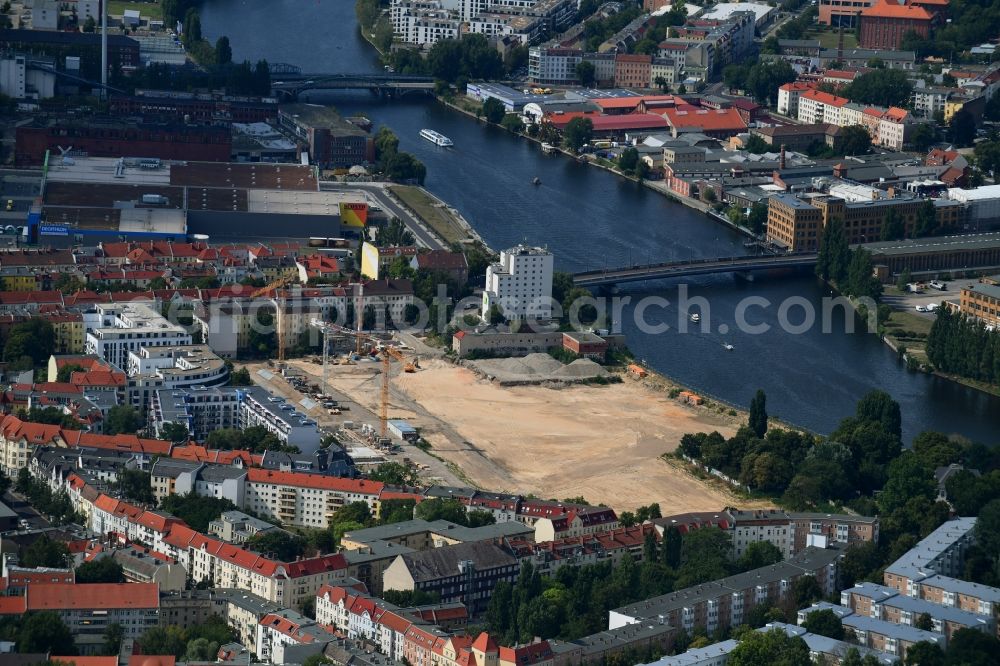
x=292, y=84
x=687, y=268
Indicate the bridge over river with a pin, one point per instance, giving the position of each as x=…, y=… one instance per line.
x=689, y=267
x=289, y=82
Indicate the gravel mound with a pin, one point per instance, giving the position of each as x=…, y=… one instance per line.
x=538, y=368
x=581, y=368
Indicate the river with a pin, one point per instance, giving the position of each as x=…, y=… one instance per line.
x=591, y=219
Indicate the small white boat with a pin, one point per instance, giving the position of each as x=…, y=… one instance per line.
x=695, y=317
x=436, y=138
x=727, y=346
x=548, y=148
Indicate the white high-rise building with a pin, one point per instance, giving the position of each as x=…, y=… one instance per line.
x=120, y=328
x=520, y=283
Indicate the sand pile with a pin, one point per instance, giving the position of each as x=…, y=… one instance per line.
x=538, y=368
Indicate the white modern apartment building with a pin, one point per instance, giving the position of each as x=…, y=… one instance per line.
x=307, y=500
x=260, y=408
x=120, y=328
x=553, y=65
x=520, y=283
x=180, y=367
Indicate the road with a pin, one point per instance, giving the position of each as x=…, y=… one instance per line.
x=425, y=237
x=24, y=510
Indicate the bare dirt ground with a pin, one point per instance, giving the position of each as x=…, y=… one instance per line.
x=601, y=442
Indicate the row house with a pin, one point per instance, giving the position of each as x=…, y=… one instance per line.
x=288, y=637
x=889, y=128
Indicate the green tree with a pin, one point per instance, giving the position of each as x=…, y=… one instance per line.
x=493, y=110
x=855, y=140
x=512, y=123
x=825, y=623
x=195, y=510
x=879, y=407
x=670, y=547
x=764, y=78
x=923, y=137
x=367, y=11
x=103, y=570
x=223, y=51
x=628, y=159
x=66, y=372
x=861, y=280
x=758, y=648
x=893, y=226
x=759, y=554
x=90, y=25
x=586, y=73
x=971, y=647
x=136, y=485
x=925, y=622
x=755, y=144
x=174, y=432
x=201, y=649
x=882, y=87
x=704, y=556
x=164, y=640
x=45, y=632
x=924, y=653
x=278, y=544
x=29, y=344
x=122, y=420
x=384, y=34
x=113, y=636
x=45, y=552
x=757, y=219
x=395, y=474
x=578, y=131
x=926, y=222
x=758, y=413
x=962, y=128
x=834, y=254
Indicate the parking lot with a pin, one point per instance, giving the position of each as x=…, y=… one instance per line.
x=929, y=297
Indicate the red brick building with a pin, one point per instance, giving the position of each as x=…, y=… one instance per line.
x=167, y=142
x=884, y=24
x=588, y=345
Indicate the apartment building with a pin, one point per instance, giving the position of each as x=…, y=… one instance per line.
x=633, y=70
x=553, y=65
x=87, y=609
x=288, y=637
x=121, y=328
x=200, y=409
x=183, y=366
x=307, y=500
x=143, y=565
x=788, y=97
x=724, y=603
x=18, y=439
x=257, y=407
x=520, y=284
x=611, y=546
x=942, y=552
x=843, y=529
x=895, y=639
x=465, y=572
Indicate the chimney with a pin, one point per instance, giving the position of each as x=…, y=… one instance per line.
x=781, y=160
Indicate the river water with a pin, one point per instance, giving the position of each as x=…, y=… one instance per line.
x=591, y=219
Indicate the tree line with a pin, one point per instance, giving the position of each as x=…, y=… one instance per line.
x=964, y=346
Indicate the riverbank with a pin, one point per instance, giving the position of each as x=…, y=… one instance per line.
x=443, y=220
x=657, y=186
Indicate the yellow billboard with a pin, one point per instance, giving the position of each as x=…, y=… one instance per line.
x=353, y=214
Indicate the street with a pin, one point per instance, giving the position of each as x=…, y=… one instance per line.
x=425, y=237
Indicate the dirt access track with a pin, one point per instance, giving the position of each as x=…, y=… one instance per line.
x=600, y=442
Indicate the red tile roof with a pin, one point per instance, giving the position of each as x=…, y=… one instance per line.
x=884, y=9
x=96, y=596
x=798, y=85
x=13, y=605
x=317, y=481
x=152, y=660
x=825, y=98
x=85, y=661
x=688, y=116
x=631, y=102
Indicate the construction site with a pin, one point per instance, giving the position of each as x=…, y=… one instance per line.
x=602, y=442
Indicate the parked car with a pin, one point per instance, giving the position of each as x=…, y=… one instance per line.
x=921, y=308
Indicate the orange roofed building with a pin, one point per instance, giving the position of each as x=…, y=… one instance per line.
x=716, y=123
x=88, y=608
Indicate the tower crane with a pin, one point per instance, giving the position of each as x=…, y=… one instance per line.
x=387, y=354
